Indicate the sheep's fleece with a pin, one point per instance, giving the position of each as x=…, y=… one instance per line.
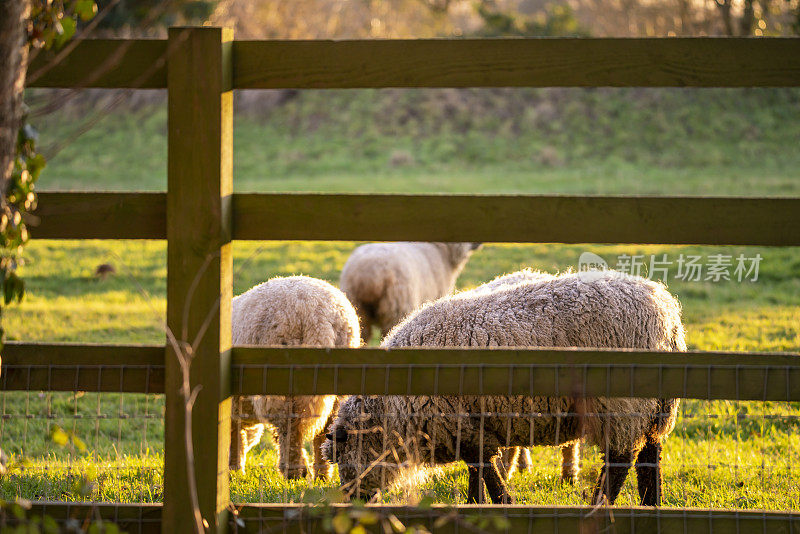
x=377, y=438
x=291, y=311
x=387, y=281
x=511, y=458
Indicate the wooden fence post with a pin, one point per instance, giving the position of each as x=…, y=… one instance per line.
x=199, y=275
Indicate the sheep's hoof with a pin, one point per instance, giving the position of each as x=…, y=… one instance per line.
x=323, y=473
x=236, y=466
x=296, y=473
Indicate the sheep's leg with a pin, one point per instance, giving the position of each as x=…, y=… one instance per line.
x=484, y=474
x=648, y=474
x=365, y=327
x=524, y=462
x=615, y=469
x=322, y=469
x=506, y=461
x=475, y=494
x=292, y=461
x=244, y=436
x=498, y=492
x=238, y=453
x=570, y=462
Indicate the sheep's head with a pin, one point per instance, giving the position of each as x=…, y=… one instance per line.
x=360, y=447
x=458, y=253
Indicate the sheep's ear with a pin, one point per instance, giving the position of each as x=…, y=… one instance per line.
x=475, y=246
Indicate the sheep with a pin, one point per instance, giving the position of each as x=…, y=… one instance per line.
x=387, y=281
x=291, y=311
x=374, y=438
x=511, y=458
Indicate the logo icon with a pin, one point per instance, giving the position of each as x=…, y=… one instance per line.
x=589, y=261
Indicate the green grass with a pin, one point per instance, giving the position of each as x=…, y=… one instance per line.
x=739, y=142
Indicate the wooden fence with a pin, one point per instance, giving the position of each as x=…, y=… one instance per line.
x=199, y=215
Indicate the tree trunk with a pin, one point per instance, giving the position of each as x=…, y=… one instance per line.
x=748, y=22
x=725, y=10
x=13, y=63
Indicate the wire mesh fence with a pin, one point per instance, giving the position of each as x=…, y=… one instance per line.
x=721, y=454
x=79, y=444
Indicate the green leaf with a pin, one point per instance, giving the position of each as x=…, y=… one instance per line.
x=365, y=517
x=341, y=523
x=85, y=9
x=78, y=442
x=425, y=503
x=49, y=525
x=501, y=522
x=58, y=436
x=68, y=27
x=18, y=511
x=35, y=166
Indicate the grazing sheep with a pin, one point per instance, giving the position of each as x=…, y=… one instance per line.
x=377, y=438
x=291, y=311
x=387, y=281
x=520, y=457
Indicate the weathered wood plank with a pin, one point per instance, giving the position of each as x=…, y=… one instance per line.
x=290, y=518
x=132, y=518
x=73, y=367
x=91, y=215
x=561, y=519
x=199, y=277
x=613, y=373
x=681, y=62
x=103, y=63
x=140, y=368
x=519, y=218
x=498, y=218
x=648, y=62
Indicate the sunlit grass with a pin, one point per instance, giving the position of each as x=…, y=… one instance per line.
x=722, y=454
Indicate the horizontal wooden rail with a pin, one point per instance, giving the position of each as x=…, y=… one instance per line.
x=295, y=518
x=74, y=367
x=518, y=218
x=95, y=215
x=613, y=373
x=561, y=519
x=537, y=62
x=487, y=218
x=375, y=371
x=103, y=63
x=132, y=518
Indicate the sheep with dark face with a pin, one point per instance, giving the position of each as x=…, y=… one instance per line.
x=291, y=311
x=387, y=281
x=375, y=439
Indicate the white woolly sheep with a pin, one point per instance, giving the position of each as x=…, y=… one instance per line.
x=292, y=311
x=511, y=458
x=378, y=437
x=387, y=281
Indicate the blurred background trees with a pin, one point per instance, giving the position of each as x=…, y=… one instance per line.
x=314, y=19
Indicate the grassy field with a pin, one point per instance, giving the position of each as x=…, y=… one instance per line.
x=722, y=454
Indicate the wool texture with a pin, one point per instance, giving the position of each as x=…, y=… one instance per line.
x=377, y=438
x=290, y=311
x=387, y=281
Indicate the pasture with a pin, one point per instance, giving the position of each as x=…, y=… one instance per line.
x=722, y=454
